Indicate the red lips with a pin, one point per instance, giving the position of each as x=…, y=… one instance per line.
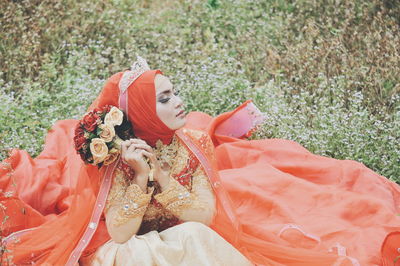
x=181, y=112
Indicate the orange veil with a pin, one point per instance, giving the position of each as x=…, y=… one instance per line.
x=59, y=189
x=294, y=207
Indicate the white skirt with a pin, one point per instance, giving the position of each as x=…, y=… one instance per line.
x=189, y=243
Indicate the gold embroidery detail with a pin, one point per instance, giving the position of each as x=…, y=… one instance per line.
x=197, y=134
x=134, y=204
x=166, y=153
x=200, y=179
x=182, y=159
x=130, y=200
x=156, y=211
x=174, y=192
x=176, y=155
x=203, y=140
x=176, y=198
x=200, y=182
x=118, y=188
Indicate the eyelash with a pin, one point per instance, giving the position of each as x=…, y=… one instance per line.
x=164, y=100
x=176, y=93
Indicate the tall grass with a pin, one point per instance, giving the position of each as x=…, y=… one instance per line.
x=324, y=72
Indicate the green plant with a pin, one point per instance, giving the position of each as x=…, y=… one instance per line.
x=324, y=72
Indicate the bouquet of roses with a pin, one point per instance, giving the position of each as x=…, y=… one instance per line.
x=96, y=139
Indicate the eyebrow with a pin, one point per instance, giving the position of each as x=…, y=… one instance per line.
x=165, y=91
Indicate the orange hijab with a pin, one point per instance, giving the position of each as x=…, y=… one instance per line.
x=141, y=106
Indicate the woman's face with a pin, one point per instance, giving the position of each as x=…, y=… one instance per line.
x=169, y=106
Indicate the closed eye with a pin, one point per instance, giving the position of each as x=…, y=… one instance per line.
x=167, y=93
x=165, y=100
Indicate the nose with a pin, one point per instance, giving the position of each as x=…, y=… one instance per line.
x=178, y=102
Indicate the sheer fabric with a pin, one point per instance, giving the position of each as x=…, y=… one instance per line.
x=59, y=189
x=293, y=205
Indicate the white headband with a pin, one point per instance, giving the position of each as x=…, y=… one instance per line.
x=129, y=76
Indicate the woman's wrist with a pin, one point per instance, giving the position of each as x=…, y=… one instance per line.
x=141, y=181
x=164, y=182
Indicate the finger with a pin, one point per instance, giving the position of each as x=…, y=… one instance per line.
x=131, y=148
x=125, y=143
x=149, y=148
x=151, y=157
x=134, y=156
x=139, y=141
x=143, y=147
x=139, y=156
x=123, y=148
x=134, y=140
x=142, y=142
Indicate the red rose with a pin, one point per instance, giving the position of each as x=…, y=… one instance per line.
x=97, y=110
x=79, y=130
x=90, y=121
x=79, y=140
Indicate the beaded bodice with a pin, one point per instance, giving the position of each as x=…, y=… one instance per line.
x=184, y=166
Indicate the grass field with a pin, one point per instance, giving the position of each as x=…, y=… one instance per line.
x=325, y=72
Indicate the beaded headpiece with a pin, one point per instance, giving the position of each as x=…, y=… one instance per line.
x=129, y=76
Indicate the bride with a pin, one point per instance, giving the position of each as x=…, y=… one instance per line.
x=188, y=190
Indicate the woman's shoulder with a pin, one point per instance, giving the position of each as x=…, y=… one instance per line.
x=201, y=138
x=196, y=134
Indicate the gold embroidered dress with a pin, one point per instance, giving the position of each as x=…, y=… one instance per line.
x=171, y=224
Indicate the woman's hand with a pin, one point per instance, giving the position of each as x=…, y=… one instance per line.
x=161, y=173
x=133, y=155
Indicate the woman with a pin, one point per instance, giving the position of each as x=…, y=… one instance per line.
x=60, y=203
x=181, y=192
x=275, y=202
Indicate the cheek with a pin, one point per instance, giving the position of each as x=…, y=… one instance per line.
x=167, y=114
x=164, y=112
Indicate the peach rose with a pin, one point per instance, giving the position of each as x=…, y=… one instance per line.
x=114, y=117
x=111, y=157
x=99, y=150
x=107, y=132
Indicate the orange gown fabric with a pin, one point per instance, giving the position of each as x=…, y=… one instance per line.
x=292, y=207
x=285, y=195
x=54, y=190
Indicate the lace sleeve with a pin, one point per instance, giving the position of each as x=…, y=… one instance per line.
x=195, y=205
x=128, y=201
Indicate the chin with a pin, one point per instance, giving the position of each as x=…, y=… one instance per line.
x=180, y=124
